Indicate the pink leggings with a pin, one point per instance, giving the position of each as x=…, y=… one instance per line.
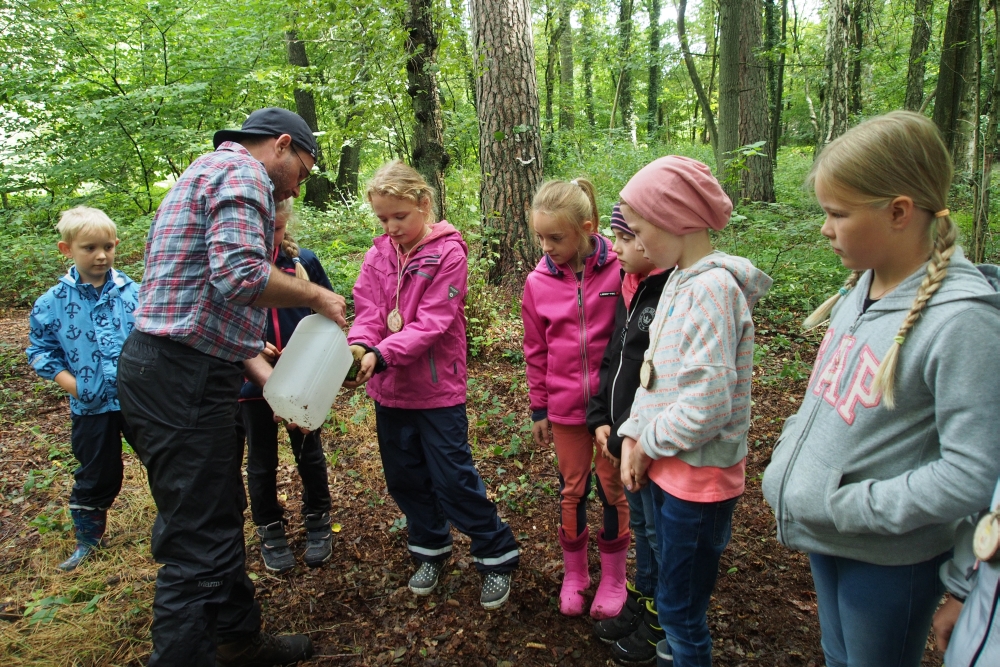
x=577, y=450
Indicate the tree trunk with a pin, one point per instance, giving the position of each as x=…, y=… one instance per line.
x=509, y=140
x=981, y=210
x=921, y=39
x=729, y=95
x=968, y=115
x=757, y=178
x=624, y=95
x=551, y=54
x=429, y=156
x=462, y=37
x=703, y=100
x=587, y=32
x=836, y=101
x=859, y=16
x=318, y=189
x=653, y=89
x=567, y=118
x=951, y=72
x=779, y=87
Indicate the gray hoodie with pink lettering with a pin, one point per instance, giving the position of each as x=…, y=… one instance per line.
x=851, y=478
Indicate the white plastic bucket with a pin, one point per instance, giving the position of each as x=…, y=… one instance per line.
x=309, y=372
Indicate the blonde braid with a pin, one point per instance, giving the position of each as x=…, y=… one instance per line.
x=937, y=269
x=291, y=250
x=822, y=314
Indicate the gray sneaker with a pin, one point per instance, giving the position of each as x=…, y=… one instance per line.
x=319, y=539
x=425, y=579
x=496, y=589
x=274, y=549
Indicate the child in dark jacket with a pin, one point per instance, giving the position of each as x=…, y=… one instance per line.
x=610, y=407
x=262, y=431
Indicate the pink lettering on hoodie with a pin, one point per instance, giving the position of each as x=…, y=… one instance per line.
x=567, y=325
x=425, y=361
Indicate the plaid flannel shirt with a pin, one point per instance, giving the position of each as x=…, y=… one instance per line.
x=208, y=257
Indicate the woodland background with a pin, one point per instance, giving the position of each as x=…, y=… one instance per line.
x=105, y=104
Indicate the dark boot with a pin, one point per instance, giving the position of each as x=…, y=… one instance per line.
x=274, y=549
x=319, y=539
x=264, y=650
x=640, y=647
x=89, y=526
x=625, y=623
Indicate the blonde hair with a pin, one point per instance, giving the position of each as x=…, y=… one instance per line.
x=572, y=203
x=285, y=209
x=79, y=219
x=400, y=180
x=898, y=154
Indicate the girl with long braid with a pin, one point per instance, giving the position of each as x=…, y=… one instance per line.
x=896, y=438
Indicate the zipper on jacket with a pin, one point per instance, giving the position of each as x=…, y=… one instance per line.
x=621, y=357
x=583, y=338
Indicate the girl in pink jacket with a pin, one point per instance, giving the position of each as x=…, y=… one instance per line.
x=569, y=312
x=409, y=331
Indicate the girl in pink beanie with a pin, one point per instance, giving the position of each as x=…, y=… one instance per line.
x=687, y=432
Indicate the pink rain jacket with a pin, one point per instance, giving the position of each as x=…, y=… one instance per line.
x=425, y=361
x=567, y=324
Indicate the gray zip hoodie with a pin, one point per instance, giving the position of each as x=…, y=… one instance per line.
x=851, y=478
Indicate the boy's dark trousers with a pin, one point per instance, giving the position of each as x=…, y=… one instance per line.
x=431, y=476
x=97, y=445
x=182, y=405
x=262, y=465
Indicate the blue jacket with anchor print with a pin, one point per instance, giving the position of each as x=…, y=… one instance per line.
x=75, y=328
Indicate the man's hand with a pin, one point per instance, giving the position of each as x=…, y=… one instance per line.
x=270, y=353
x=540, y=432
x=366, y=371
x=944, y=622
x=258, y=369
x=330, y=305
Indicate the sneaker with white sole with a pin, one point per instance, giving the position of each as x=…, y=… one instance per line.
x=496, y=589
x=425, y=579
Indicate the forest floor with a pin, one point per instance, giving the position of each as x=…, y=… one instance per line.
x=357, y=608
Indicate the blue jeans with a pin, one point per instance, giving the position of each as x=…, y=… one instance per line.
x=875, y=615
x=691, y=537
x=642, y=521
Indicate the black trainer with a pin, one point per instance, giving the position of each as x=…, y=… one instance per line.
x=425, y=579
x=264, y=650
x=610, y=630
x=319, y=539
x=639, y=648
x=274, y=549
x=496, y=589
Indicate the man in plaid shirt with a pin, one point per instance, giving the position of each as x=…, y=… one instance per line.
x=199, y=329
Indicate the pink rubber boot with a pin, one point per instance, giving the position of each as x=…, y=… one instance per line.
x=576, y=578
x=611, y=592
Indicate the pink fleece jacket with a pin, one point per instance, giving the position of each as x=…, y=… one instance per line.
x=425, y=361
x=567, y=324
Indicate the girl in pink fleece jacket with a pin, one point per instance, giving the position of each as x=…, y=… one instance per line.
x=409, y=331
x=569, y=313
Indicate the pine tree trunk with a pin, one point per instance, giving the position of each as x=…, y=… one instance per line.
x=729, y=94
x=624, y=93
x=779, y=86
x=981, y=210
x=429, y=156
x=551, y=54
x=510, y=146
x=836, y=101
x=859, y=16
x=955, y=52
x=318, y=188
x=704, y=101
x=921, y=39
x=567, y=117
x=462, y=37
x=587, y=32
x=653, y=89
x=757, y=179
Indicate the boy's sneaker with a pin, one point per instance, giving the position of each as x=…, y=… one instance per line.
x=264, y=650
x=425, y=579
x=625, y=623
x=274, y=549
x=639, y=648
x=319, y=539
x=496, y=589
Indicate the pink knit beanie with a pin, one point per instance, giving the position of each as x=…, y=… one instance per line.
x=679, y=195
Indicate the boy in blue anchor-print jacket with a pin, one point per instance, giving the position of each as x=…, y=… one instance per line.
x=77, y=331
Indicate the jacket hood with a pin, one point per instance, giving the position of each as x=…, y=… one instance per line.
x=601, y=255
x=439, y=230
x=964, y=281
x=72, y=278
x=753, y=282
